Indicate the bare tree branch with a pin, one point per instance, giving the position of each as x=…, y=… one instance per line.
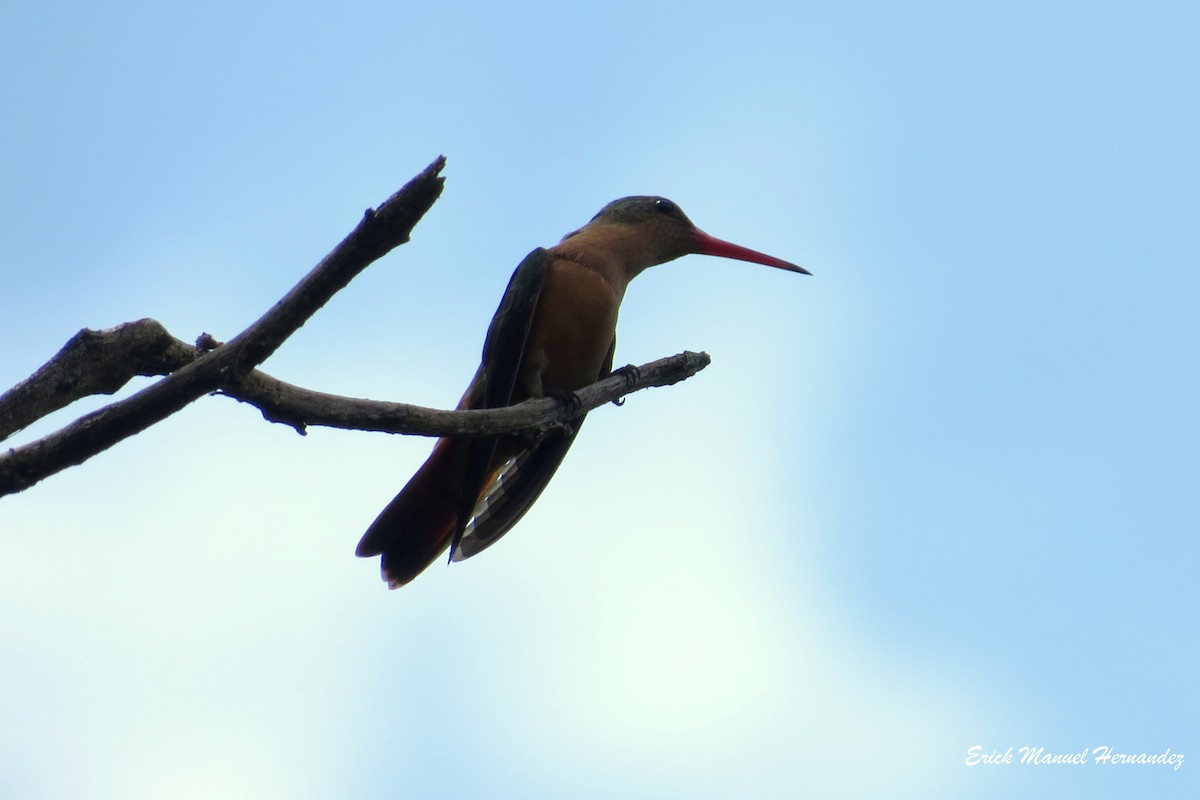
x=101, y=362
x=299, y=407
x=92, y=362
x=379, y=231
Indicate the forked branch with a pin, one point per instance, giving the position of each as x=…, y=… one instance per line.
x=101, y=362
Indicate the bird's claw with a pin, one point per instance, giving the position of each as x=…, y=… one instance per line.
x=568, y=398
x=632, y=375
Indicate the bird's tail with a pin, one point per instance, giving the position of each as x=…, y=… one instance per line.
x=417, y=526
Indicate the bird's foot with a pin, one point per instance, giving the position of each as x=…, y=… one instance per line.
x=632, y=375
x=568, y=398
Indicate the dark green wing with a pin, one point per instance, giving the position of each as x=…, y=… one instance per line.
x=499, y=370
x=506, y=336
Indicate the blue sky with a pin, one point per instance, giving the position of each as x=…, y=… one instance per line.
x=941, y=494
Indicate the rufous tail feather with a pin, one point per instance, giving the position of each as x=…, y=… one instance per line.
x=417, y=526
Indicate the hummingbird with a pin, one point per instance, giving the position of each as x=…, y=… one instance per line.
x=553, y=333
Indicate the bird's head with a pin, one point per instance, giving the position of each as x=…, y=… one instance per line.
x=655, y=230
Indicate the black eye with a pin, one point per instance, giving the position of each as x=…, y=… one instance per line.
x=665, y=206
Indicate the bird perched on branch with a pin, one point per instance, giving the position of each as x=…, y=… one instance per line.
x=554, y=333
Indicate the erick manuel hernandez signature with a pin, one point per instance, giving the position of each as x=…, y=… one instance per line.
x=1102, y=755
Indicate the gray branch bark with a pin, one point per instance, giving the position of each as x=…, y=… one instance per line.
x=101, y=362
